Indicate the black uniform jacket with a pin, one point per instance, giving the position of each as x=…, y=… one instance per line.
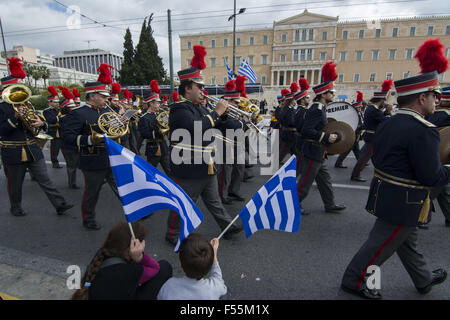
x=148, y=129
x=183, y=115
x=299, y=119
x=16, y=138
x=315, y=121
x=406, y=160
x=440, y=118
x=372, y=118
x=52, y=117
x=77, y=129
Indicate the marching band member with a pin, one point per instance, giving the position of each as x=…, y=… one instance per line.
x=156, y=150
x=69, y=152
x=51, y=115
x=81, y=124
x=77, y=98
x=285, y=117
x=312, y=164
x=20, y=151
x=373, y=116
x=358, y=107
x=407, y=167
x=302, y=99
x=195, y=179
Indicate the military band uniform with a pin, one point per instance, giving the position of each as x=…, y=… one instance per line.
x=71, y=155
x=94, y=160
x=312, y=166
x=407, y=166
x=197, y=180
x=156, y=149
x=19, y=153
x=299, y=119
x=373, y=116
x=355, y=148
x=52, y=117
x=287, y=134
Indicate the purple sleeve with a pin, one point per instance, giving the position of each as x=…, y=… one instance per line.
x=151, y=268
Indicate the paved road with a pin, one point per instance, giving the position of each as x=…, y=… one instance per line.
x=36, y=250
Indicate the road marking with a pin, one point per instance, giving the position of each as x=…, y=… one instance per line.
x=4, y=296
x=49, y=162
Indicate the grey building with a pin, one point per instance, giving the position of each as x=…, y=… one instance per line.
x=89, y=60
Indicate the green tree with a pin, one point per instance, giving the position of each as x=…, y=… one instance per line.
x=36, y=73
x=28, y=68
x=147, y=64
x=126, y=70
x=45, y=74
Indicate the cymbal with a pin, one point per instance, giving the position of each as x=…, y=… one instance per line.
x=346, y=137
x=444, y=145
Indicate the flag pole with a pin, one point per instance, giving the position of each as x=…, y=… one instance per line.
x=132, y=232
x=225, y=230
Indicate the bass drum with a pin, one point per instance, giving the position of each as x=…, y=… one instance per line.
x=344, y=112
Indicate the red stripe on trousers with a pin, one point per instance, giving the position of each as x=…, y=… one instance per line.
x=364, y=161
x=83, y=207
x=377, y=254
x=173, y=217
x=304, y=179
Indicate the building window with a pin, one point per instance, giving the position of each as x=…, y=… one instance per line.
x=430, y=30
x=295, y=55
x=250, y=60
x=441, y=77
x=394, y=32
x=225, y=42
x=341, y=78
x=213, y=43
x=375, y=54
x=447, y=30
x=297, y=35
x=263, y=79
x=200, y=42
x=302, y=55
x=372, y=77
x=311, y=35
x=225, y=80
x=213, y=80
x=356, y=77
x=225, y=60
x=343, y=55
x=283, y=38
x=281, y=80
x=412, y=31
x=238, y=41
x=265, y=39
x=405, y=75
x=189, y=45
x=377, y=33
x=446, y=52
x=392, y=54
x=359, y=54
x=188, y=62
x=252, y=41
x=264, y=59
x=344, y=35
x=282, y=58
x=389, y=75
x=409, y=54
x=324, y=35
x=309, y=55
x=238, y=61
x=323, y=55
x=361, y=34
x=304, y=35
x=213, y=62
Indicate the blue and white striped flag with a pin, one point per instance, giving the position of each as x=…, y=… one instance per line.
x=275, y=206
x=143, y=189
x=229, y=71
x=246, y=70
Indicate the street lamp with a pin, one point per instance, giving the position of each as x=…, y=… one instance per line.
x=233, y=16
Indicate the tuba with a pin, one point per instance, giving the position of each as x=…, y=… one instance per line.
x=18, y=95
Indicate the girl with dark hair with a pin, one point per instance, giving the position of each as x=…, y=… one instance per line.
x=121, y=269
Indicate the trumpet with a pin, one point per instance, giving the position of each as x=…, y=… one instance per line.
x=236, y=113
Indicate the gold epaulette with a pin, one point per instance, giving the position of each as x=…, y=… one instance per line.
x=416, y=116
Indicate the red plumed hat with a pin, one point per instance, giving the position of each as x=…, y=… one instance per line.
x=294, y=87
x=285, y=92
x=240, y=85
x=198, y=61
x=154, y=86
x=431, y=57
x=304, y=85
x=76, y=93
x=165, y=97
x=52, y=91
x=116, y=88
x=105, y=73
x=66, y=93
x=387, y=85
x=329, y=72
x=127, y=94
x=359, y=96
x=16, y=68
x=175, y=97
x=230, y=85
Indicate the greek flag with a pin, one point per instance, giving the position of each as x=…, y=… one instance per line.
x=143, y=189
x=275, y=206
x=229, y=71
x=246, y=70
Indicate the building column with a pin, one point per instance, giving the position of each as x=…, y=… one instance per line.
x=271, y=80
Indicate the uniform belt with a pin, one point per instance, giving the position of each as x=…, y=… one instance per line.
x=54, y=125
x=312, y=141
x=155, y=140
x=18, y=143
x=367, y=131
x=288, y=129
